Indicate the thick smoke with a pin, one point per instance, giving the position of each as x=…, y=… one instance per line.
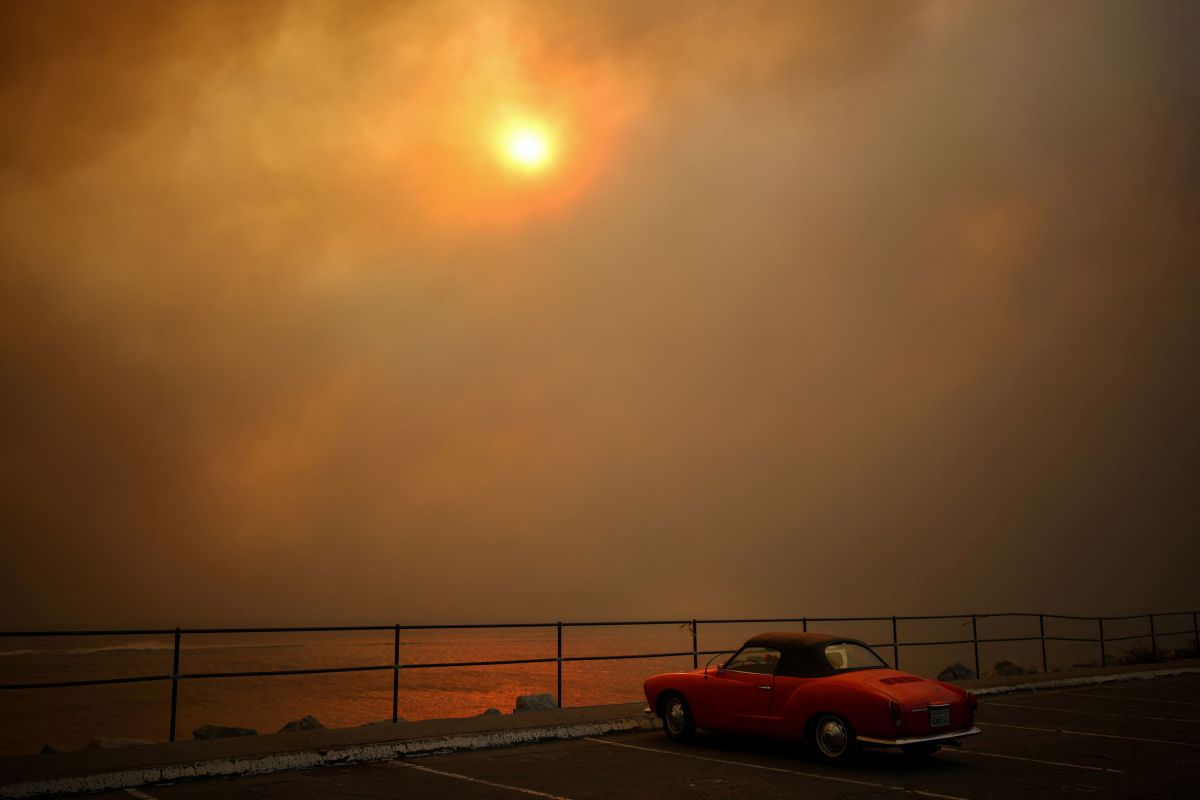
x=828, y=308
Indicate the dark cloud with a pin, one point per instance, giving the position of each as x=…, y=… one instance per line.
x=903, y=292
x=78, y=77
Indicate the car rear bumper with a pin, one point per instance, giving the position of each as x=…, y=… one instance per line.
x=932, y=737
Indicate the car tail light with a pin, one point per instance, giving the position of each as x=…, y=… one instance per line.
x=895, y=711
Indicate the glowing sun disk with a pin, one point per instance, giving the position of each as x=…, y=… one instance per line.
x=527, y=147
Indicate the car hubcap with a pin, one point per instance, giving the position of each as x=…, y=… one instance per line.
x=675, y=716
x=832, y=736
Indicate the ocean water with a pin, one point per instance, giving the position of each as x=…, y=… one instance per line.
x=71, y=717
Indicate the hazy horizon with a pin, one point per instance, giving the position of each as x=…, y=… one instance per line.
x=815, y=309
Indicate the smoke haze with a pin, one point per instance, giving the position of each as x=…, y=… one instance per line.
x=824, y=309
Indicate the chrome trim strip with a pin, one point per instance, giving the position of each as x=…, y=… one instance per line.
x=936, y=737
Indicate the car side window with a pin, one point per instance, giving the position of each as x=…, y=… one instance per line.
x=760, y=660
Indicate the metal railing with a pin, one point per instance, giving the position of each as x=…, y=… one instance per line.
x=1152, y=633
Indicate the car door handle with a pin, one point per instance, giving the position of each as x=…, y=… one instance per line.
x=767, y=688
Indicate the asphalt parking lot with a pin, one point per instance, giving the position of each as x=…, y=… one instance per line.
x=1136, y=739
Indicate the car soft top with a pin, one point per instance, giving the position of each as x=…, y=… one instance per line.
x=802, y=654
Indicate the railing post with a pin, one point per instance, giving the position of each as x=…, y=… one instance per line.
x=175, y=683
x=1042, y=634
x=1196, y=631
x=895, y=646
x=804, y=624
x=695, y=648
x=1153, y=639
x=975, y=643
x=1103, y=656
x=396, y=675
x=559, y=695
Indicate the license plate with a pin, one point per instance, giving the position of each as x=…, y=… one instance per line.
x=939, y=717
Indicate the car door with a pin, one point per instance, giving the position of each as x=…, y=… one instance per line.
x=739, y=693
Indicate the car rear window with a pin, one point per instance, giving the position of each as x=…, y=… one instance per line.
x=847, y=655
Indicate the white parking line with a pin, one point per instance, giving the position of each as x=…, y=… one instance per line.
x=815, y=775
x=1086, y=733
x=140, y=795
x=1034, y=761
x=1141, y=698
x=1094, y=713
x=521, y=789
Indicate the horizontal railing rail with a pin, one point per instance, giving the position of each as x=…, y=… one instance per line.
x=396, y=665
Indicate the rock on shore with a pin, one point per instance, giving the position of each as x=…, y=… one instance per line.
x=306, y=723
x=1005, y=668
x=535, y=702
x=221, y=732
x=112, y=743
x=956, y=672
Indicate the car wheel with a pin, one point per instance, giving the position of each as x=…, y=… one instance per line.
x=921, y=749
x=677, y=719
x=833, y=739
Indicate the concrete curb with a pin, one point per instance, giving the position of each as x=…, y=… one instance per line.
x=1089, y=680
x=307, y=759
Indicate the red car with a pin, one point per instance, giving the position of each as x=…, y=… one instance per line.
x=830, y=691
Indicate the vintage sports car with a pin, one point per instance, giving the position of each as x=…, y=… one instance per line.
x=832, y=692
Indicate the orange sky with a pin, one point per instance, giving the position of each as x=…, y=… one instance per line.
x=817, y=308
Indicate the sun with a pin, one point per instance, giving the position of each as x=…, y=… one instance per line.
x=527, y=147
